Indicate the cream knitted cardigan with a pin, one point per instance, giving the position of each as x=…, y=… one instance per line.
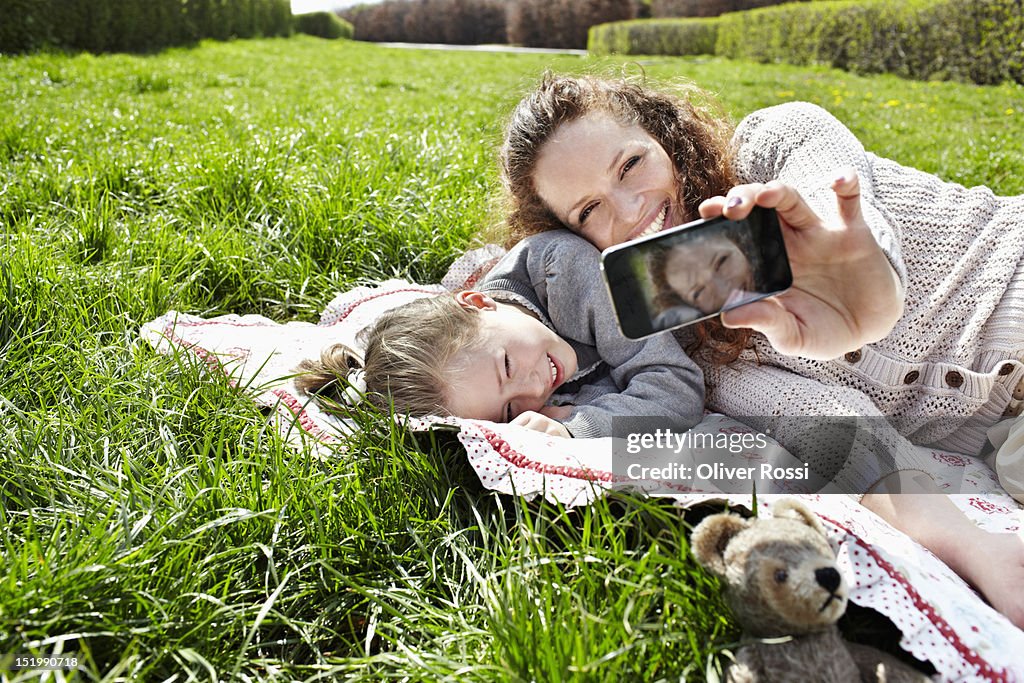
x=947, y=370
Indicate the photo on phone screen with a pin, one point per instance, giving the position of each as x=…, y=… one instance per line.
x=695, y=271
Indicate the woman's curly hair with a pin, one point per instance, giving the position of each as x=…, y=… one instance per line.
x=694, y=132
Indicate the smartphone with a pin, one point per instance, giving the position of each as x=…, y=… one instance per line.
x=695, y=271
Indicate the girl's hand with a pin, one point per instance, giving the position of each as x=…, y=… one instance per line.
x=542, y=423
x=845, y=293
x=557, y=412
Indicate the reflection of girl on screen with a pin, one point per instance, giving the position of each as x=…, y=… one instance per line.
x=707, y=272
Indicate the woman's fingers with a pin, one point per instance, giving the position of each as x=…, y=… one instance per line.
x=845, y=292
x=847, y=189
x=736, y=204
x=791, y=206
x=788, y=326
x=785, y=199
x=711, y=207
x=767, y=316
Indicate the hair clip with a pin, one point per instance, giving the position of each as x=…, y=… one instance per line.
x=356, y=389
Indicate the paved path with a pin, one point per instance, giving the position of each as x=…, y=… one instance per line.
x=486, y=48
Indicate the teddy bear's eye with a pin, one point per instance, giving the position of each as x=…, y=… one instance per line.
x=781, y=575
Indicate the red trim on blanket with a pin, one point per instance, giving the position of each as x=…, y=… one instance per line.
x=924, y=607
x=211, y=359
x=290, y=402
x=216, y=321
x=521, y=461
x=480, y=271
x=347, y=310
x=299, y=412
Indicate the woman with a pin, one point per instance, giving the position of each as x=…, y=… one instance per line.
x=908, y=291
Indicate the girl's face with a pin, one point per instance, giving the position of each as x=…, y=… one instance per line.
x=708, y=274
x=607, y=182
x=515, y=366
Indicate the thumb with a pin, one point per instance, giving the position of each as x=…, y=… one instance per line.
x=524, y=417
x=770, y=318
x=791, y=206
x=847, y=189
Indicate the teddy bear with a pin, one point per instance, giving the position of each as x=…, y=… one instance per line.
x=783, y=585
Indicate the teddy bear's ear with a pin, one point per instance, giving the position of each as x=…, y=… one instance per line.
x=794, y=509
x=711, y=537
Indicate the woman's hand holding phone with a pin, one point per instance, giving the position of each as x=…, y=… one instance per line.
x=845, y=293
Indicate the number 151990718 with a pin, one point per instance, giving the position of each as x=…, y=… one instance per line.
x=36, y=662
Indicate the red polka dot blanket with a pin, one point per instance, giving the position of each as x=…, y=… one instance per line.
x=942, y=620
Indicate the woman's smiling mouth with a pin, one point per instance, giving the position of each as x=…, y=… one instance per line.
x=655, y=226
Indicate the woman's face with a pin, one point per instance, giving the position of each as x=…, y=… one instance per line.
x=607, y=182
x=708, y=274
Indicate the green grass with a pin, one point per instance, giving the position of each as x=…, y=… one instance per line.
x=154, y=524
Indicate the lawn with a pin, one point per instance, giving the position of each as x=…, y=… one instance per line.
x=159, y=529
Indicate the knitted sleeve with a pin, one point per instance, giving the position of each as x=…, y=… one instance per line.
x=803, y=145
x=837, y=430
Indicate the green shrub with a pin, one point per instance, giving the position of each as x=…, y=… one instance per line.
x=275, y=18
x=978, y=41
x=82, y=23
x=654, y=37
x=24, y=26
x=242, y=25
x=135, y=25
x=704, y=8
x=561, y=23
x=323, y=24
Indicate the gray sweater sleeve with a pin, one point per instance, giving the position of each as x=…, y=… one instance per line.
x=559, y=273
x=803, y=145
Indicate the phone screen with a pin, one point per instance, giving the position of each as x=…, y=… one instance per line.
x=695, y=271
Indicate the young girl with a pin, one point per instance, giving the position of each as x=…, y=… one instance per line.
x=495, y=355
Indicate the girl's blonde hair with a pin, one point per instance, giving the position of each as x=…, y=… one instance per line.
x=409, y=353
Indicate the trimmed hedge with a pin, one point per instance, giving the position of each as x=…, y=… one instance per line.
x=980, y=41
x=456, y=22
x=561, y=23
x=323, y=25
x=654, y=37
x=661, y=9
x=136, y=25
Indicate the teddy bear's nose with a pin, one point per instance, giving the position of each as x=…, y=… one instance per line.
x=828, y=578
